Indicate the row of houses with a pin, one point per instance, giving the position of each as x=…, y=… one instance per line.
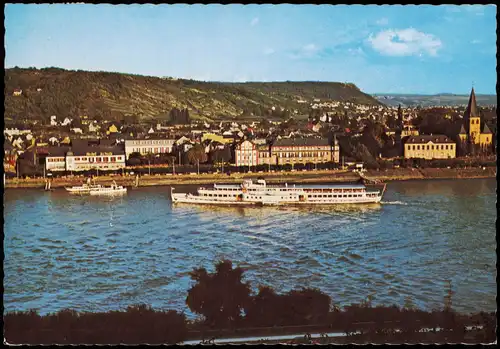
x=105, y=155
x=287, y=151
x=85, y=155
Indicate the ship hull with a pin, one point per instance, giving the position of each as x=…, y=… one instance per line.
x=183, y=199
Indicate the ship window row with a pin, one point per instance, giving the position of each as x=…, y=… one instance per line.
x=221, y=195
x=335, y=190
x=337, y=196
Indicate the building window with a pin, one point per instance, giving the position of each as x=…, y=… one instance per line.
x=418, y=147
x=427, y=147
x=98, y=159
x=446, y=147
x=105, y=159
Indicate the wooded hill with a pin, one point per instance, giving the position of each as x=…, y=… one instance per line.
x=115, y=96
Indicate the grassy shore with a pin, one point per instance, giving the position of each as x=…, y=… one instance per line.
x=319, y=176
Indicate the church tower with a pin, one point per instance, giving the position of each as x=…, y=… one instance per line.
x=472, y=120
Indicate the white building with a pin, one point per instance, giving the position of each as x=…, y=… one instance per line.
x=87, y=155
x=104, y=161
x=245, y=154
x=148, y=146
x=15, y=132
x=66, y=122
x=56, y=159
x=94, y=127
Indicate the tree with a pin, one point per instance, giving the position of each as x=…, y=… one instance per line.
x=363, y=154
x=220, y=296
x=391, y=121
x=197, y=154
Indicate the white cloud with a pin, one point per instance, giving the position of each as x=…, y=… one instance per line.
x=356, y=51
x=383, y=21
x=254, y=21
x=310, y=48
x=269, y=51
x=475, y=41
x=306, y=51
x=405, y=42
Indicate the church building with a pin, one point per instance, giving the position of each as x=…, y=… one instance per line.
x=471, y=135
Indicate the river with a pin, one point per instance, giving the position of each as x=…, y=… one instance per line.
x=98, y=254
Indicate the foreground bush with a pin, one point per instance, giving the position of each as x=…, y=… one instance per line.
x=136, y=325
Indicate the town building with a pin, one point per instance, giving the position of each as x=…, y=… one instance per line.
x=409, y=130
x=55, y=159
x=10, y=157
x=87, y=155
x=429, y=147
x=112, y=128
x=264, y=156
x=246, y=154
x=148, y=146
x=470, y=132
x=15, y=132
x=304, y=150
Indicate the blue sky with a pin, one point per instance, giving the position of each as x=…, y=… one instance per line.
x=381, y=49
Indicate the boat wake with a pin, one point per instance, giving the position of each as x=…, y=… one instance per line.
x=393, y=203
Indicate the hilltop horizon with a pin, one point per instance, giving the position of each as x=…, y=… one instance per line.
x=256, y=81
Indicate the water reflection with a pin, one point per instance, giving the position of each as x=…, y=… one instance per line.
x=268, y=211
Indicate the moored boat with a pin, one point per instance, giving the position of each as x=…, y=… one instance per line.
x=83, y=189
x=114, y=189
x=259, y=193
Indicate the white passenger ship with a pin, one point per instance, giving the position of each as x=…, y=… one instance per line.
x=250, y=193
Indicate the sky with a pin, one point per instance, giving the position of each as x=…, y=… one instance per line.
x=382, y=49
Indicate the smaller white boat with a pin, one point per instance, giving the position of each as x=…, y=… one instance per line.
x=114, y=189
x=84, y=188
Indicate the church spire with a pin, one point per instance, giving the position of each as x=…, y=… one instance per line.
x=472, y=110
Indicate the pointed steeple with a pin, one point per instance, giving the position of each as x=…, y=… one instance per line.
x=462, y=131
x=486, y=129
x=472, y=110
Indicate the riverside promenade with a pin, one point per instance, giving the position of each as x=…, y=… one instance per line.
x=316, y=176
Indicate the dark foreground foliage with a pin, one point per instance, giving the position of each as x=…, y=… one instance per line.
x=138, y=324
x=228, y=309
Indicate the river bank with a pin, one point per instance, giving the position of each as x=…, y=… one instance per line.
x=318, y=176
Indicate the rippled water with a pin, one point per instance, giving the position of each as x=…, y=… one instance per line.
x=97, y=254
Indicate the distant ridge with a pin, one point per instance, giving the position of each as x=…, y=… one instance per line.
x=60, y=92
x=442, y=99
